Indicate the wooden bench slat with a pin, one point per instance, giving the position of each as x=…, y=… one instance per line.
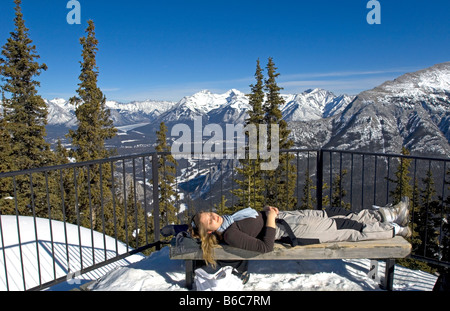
x=397, y=247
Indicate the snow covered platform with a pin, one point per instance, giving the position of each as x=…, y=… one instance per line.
x=388, y=250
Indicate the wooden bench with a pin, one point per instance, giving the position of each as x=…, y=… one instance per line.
x=387, y=250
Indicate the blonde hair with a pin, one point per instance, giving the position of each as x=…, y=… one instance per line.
x=209, y=240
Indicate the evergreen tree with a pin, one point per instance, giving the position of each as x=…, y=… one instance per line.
x=6, y=184
x=428, y=217
x=415, y=240
x=281, y=182
x=307, y=199
x=138, y=227
x=88, y=140
x=222, y=208
x=402, y=179
x=338, y=192
x=94, y=118
x=416, y=216
x=168, y=196
x=25, y=112
x=251, y=192
x=445, y=233
x=24, y=120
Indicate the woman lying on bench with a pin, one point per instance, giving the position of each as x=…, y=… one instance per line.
x=256, y=231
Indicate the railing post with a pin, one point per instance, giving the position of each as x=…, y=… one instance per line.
x=155, y=176
x=319, y=180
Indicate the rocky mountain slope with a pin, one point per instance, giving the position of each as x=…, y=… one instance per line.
x=412, y=110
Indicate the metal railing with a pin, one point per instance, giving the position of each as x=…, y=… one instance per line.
x=29, y=246
x=116, y=202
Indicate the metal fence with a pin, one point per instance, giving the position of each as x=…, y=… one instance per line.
x=59, y=222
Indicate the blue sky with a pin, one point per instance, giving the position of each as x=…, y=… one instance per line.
x=170, y=49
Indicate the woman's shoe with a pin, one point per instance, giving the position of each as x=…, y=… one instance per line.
x=398, y=214
x=405, y=232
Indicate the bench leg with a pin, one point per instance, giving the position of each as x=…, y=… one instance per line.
x=189, y=274
x=373, y=271
x=388, y=283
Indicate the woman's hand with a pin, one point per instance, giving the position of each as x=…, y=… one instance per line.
x=271, y=210
x=272, y=213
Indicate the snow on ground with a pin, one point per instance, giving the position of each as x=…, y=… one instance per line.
x=57, y=261
x=158, y=273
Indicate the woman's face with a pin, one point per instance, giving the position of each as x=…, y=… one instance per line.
x=210, y=221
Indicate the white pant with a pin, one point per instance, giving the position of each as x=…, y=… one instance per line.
x=315, y=224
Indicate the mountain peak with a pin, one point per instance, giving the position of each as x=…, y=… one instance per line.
x=435, y=79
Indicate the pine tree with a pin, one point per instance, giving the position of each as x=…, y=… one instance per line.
x=24, y=120
x=222, y=208
x=25, y=112
x=307, y=199
x=94, y=119
x=88, y=140
x=338, y=192
x=428, y=219
x=403, y=179
x=251, y=192
x=445, y=233
x=168, y=196
x=281, y=182
x=6, y=184
x=138, y=227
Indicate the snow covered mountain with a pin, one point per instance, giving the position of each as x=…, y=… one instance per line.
x=412, y=110
x=229, y=107
x=61, y=112
x=313, y=105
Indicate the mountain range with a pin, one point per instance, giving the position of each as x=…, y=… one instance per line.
x=412, y=110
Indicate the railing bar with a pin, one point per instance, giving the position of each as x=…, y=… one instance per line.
x=113, y=193
x=331, y=180
x=351, y=181
x=61, y=184
x=187, y=172
x=144, y=170
x=414, y=192
x=90, y=212
x=444, y=173
x=136, y=225
x=221, y=179
x=125, y=203
x=156, y=212
x=319, y=180
x=427, y=209
x=362, y=181
x=33, y=207
x=287, y=182
x=50, y=224
x=375, y=181
x=232, y=184
x=340, y=179
x=401, y=178
x=4, y=254
x=78, y=212
x=254, y=183
x=18, y=232
x=210, y=184
x=298, y=179
x=102, y=209
x=387, y=179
